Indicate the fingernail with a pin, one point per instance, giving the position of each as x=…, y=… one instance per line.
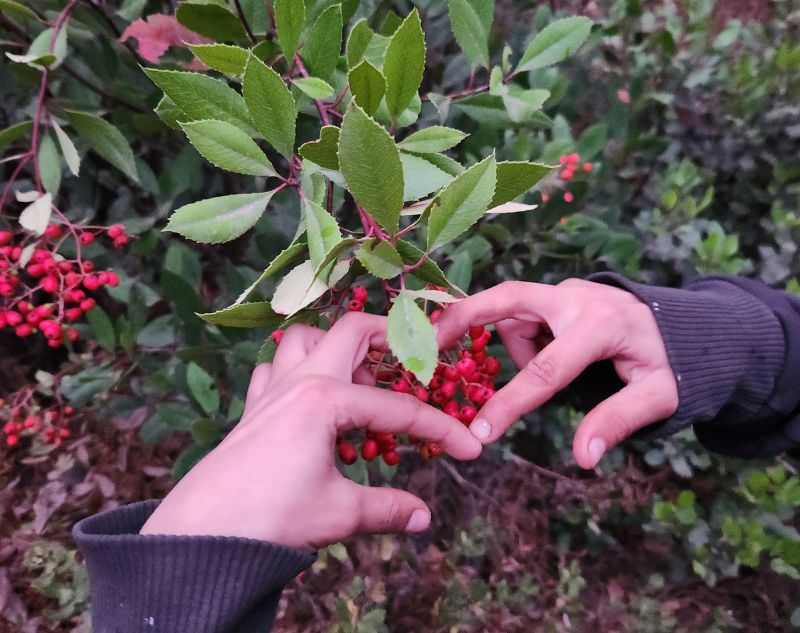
x=481, y=429
x=419, y=521
x=597, y=449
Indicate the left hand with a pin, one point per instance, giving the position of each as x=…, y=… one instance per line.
x=273, y=478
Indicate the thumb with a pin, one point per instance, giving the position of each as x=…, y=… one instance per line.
x=637, y=405
x=384, y=510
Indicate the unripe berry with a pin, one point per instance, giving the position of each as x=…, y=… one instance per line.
x=392, y=458
x=370, y=449
x=401, y=386
x=347, y=453
x=86, y=238
x=355, y=306
x=360, y=294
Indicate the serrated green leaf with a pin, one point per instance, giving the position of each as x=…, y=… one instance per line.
x=325, y=151
x=322, y=230
x=421, y=177
x=368, y=86
x=218, y=220
x=271, y=105
x=522, y=105
x=49, y=165
x=404, y=64
x=71, y=157
x=314, y=87
x=323, y=269
x=283, y=259
x=211, y=20
x=471, y=21
x=461, y=203
x=428, y=271
x=14, y=132
x=301, y=287
x=289, y=18
x=370, y=163
x=411, y=338
x=228, y=147
x=358, y=41
x=515, y=178
x=555, y=43
x=256, y=314
x=432, y=140
x=219, y=101
x=106, y=141
x=169, y=113
x=323, y=44
x=380, y=258
x=223, y=58
x=201, y=387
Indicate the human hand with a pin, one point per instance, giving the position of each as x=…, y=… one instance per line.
x=552, y=334
x=273, y=478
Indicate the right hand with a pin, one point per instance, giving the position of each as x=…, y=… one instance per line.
x=552, y=334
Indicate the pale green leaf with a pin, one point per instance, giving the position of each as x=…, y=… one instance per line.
x=325, y=151
x=461, y=203
x=370, y=163
x=411, y=338
x=432, y=139
x=380, y=258
x=283, y=259
x=314, y=87
x=515, y=178
x=71, y=157
x=322, y=231
x=201, y=97
x=367, y=85
x=256, y=314
x=202, y=388
x=106, y=140
x=36, y=216
x=289, y=18
x=221, y=219
x=39, y=53
x=271, y=105
x=301, y=287
x=404, y=64
x=49, y=165
x=223, y=58
x=323, y=44
x=555, y=43
x=421, y=177
x=471, y=21
x=228, y=147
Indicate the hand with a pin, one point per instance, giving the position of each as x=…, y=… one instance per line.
x=552, y=334
x=273, y=478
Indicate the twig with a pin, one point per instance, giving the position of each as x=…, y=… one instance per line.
x=244, y=22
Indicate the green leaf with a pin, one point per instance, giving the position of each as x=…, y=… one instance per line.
x=218, y=220
x=283, y=259
x=323, y=44
x=14, y=132
x=206, y=431
x=380, y=258
x=421, y=177
x=404, y=64
x=201, y=387
x=270, y=104
x=289, y=18
x=39, y=53
x=15, y=8
x=431, y=140
x=219, y=101
x=360, y=37
x=67, y=149
x=106, y=140
x=411, y=338
x=461, y=203
x=212, y=20
x=429, y=270
x=256, y=314
x=169, y=113
x=522, y=105
x=102, y=328
x=228, y=147
x=555, y=43
x=370, y=163
x=325, y=151
x=314, y=87
x=301, y=287
x=488, y=110
x=323, y=269
x=460, y=270
x=223, y=58
x=49, y=165
x=515, y=178
x=592, y=141
x=322, y=230
x=471, y=21
x=367, y=85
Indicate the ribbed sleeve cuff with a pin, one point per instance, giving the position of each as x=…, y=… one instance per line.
x=180, y=583
x=725, y=346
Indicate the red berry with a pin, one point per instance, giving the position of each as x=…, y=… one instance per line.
x=422, y=394
x=491, y=366
x=13, y=318
x=448, y=388
x=91, y=283
x=73, y=334
x=480, y=344
x=568, y=174
x=360, y=294
x=24, y=329
x=112, y=279
x=120, y=241
x=568, y=197
x=468, y=414
x=277, y=336
x=88, y=304
x=451, y=373
x=50, y=284
x=69, y=410
x=466, y=366
x=53, y=232
x=115, y=231
x=435, y=315
x=392, y=458
x=573, y=159
x=347, y=452
x=5, y=237
x=55, y=342
x=24, y=307
x=355, y=306
x=434, y=449
x=88, y=266
x=12, y=440
x=476, y=331
x=401, y=386
x=35, y=270
x=439, y=397
x=86, y=238
x=73, y=314
x=370, y=449
x=436, y=382
x=545, y=198
x=452, y=409
x=587, y=167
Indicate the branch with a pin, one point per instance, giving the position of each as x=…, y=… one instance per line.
x=244, y=22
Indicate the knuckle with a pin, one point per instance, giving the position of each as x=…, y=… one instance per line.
x=392, y=512
x=622, y=426
x=315, y=388
x=541, y=372
x=572, y=282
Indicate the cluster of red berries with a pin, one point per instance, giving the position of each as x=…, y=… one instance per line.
x=356, y=304
x=570, y=163
x=42, y=291
x=50, y=426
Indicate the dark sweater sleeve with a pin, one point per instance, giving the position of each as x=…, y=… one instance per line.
x=734, y=346
x=177, y=584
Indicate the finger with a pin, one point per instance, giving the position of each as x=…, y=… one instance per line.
x=640, y=403
x=510, y=299
x=389, y=412
x=543, y=376
x=258, y=384
x=519, y=338
x=382, y=510
x=363, y=376
x=295, y=346
x=346, y=344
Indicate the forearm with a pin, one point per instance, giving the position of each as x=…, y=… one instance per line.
x=203, y=584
